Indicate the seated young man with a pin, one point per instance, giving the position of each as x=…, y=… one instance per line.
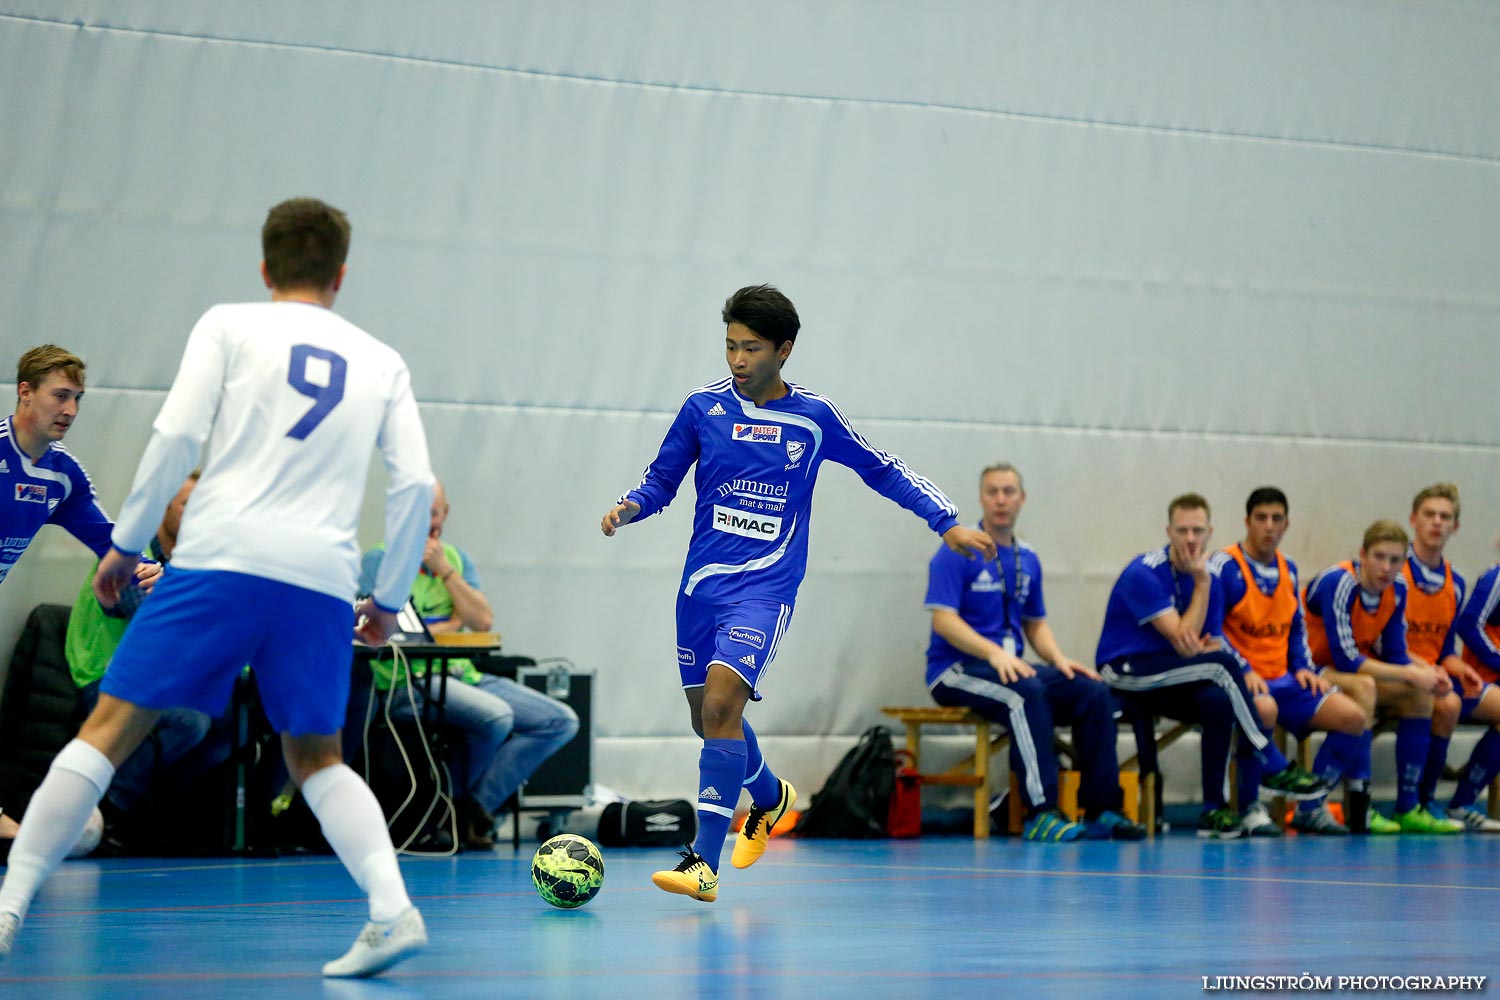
x=1435, y=593
x=1263, y=621
x=184, y=743
x=1162, y=648
x=984, y=611
x=1356, y=624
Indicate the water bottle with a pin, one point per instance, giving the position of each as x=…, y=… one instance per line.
x=559, y=683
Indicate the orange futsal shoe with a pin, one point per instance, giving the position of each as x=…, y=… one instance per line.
x=756, y=833
x=691, y=877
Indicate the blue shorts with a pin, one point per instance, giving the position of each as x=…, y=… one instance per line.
x=1295, y=704
x=743, y=636
x=198, y=630
x=1469, y=704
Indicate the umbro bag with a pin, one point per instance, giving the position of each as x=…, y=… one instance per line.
x=664, y=823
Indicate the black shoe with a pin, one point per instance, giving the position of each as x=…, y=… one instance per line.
x=1295, y=783
x=436, y=840
x=1222, y=823
x=475, y=826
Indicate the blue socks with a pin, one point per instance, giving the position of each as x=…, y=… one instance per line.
x=721, y=774
x=1249, y=773
x=1360, y=769
x=1413, y=737
x=1484, y=764
x=764, y=787
x=1337, y=757
x=1437, y=756
x=1272, y=760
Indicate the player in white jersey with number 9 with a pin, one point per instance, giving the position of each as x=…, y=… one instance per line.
x=292, y=399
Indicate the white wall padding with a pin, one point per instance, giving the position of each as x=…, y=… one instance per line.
x=1134, y=248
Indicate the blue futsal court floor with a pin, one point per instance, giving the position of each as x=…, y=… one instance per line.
x=937, y=917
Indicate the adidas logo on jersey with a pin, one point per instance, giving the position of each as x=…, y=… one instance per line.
x=716, y=410
x=984, y=576
x=748, y=659
x=711, y=794
x=4, y=467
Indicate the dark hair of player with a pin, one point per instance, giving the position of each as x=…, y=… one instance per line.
x=1263, y=495
x=766, y=311
x=304, y=243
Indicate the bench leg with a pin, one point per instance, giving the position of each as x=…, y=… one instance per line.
x=1495, y=798
x=982, y=772
x=1148, y=802
x=914, y=744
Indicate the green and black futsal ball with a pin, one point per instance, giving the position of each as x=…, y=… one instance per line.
x=568, y=871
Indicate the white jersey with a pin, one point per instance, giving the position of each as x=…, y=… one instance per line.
x=291, y=398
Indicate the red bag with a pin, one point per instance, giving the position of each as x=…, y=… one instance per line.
x=904, y=819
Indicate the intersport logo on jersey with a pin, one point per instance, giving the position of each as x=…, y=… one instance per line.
x=747, y=523
x=758, y=433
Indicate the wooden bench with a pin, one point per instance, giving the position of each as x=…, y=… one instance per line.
x=1144, y=764
x=972, y=773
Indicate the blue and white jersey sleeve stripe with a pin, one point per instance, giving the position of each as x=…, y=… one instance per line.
x=1479, y=610
x=1346, y=654
x=80, y=512
x=678, y=451
x=1299, y=654
x=885, y=473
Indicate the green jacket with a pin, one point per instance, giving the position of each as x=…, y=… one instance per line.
x=434, y=603
x=92, y=635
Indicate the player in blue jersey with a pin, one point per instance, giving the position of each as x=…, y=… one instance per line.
x=40, y=482
x=290, y=399
x=1163, y=648
x=1478, y=625
x=757, y=442
x=1356, y=623
x=1263, y=621
x=1435, y=592
x=983, y=615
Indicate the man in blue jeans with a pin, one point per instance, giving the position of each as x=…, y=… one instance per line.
x=509, y=729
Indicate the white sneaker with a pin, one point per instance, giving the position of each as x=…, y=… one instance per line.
x=1474, y=820
x=1318, y=821
x=380, y=946
x=1257, y=822
x=9, y=924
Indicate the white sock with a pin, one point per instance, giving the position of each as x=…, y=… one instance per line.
x=76, y=781
x=355, y=828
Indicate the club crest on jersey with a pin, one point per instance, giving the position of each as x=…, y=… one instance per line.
x=758, y=433
x=749, y=636
x=747, y=523
x=31, y=493
x=794, y=450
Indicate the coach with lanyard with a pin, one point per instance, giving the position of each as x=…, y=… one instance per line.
x=983, y=614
